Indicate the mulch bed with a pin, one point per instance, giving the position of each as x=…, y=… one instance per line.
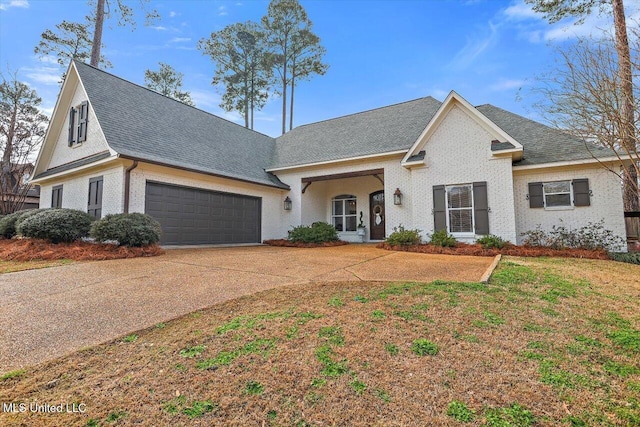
x=513, y=250
x=35, y=249
x=290, y=244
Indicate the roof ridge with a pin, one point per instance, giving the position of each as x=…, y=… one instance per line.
x=366, y=111
x=168, y=97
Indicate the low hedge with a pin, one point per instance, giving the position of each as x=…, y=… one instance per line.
x=8, y=224
x=318, y=232
x=133, y=229
x=56, y=225
x=403, y=237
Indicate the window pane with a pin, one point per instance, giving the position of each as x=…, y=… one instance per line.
x=351, y=223
x=337, y=223
x=557, y=187
x=558, y=200
x=351, y=207
x=459, y=197
x=337, y=207
x=460, y=221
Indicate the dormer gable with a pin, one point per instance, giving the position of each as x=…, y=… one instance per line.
x=498, y=145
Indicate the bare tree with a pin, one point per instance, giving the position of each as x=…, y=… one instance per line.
x=556, y=10
x=587, y=96
x=22, y=128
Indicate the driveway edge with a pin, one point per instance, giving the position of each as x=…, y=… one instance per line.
x=487, y=274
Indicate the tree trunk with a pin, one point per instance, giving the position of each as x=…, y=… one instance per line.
x=246, y=97
x=284, y=91
x=293, y=85
x=627, y=131
x=97, y=34
x=253, y=91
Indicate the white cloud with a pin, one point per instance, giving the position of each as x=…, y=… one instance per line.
x=14, y=3
x=44, y=75
x=474, y=48
x=159, y=28
x=180, y=40
x=173, y=14
x=521, y=11
x=205, y=100
x=222, y=11
x=48, y=59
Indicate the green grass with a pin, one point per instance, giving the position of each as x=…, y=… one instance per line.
x=199, y=408
x=332, y=334
x=253, y=387
x=130, y=338
x=514, y=415
x=424, y=347
x=12, y=374
x=358, y=386
x=460, y=412
x=335, y=302
x=392, y=349
x=192, y=351
x=115, y=416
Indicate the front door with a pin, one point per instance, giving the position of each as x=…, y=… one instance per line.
x=376, y=215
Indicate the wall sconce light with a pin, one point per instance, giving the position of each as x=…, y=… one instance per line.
x=287, y=204
x=397, y=197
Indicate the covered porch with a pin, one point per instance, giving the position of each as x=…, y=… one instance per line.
x=354, y=202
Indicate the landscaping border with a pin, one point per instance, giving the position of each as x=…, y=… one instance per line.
x=289, y=244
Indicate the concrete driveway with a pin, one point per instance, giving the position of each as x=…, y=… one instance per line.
x=49, y=312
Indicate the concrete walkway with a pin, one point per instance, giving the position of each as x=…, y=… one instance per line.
x=49, y=312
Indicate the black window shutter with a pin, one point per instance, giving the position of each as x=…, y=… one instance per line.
x=536, y=197
x=481, y=207
x=72, y=116
x=82, y=121
x=581, y=193
x=439, y=208
x=94, y=206
x=56, y=196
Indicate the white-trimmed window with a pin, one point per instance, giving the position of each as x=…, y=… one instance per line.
x=557, y=194
x=460, y=208
x=344, y=212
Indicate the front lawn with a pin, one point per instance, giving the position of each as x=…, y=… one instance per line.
x=13, y=266
x=547, y=342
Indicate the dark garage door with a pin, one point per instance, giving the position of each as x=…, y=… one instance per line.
x=191, y=216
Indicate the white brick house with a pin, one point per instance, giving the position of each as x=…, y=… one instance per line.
x=113, y=146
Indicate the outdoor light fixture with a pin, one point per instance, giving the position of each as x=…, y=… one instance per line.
x=397, y=197
x=287, y=204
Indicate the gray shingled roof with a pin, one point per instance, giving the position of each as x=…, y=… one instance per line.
x=541, y=143
x=142, y=124
x=382, y=130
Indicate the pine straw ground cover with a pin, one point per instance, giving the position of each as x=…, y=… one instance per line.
x=289, y=244
x=509, y=249
x=24, y=250
x=546, y=342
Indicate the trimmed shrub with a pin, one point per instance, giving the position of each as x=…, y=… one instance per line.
x=8, y=224
x=490, y=241
x=25, y=215
x=318, y=232
x=134, y=229
x=57, y=225
x=404, y=237
x=630, y=257
x=443, y=239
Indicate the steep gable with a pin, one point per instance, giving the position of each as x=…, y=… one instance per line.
x=144, y=125
x=57, y=152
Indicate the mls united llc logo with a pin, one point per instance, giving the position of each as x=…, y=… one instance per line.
x=67, y=408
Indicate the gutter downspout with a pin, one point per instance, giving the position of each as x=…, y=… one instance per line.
x=127, y=184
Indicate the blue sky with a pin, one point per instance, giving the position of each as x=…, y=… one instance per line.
x=380, y=52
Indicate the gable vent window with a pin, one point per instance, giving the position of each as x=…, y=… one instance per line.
x=78, y=120
x=559, y=194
